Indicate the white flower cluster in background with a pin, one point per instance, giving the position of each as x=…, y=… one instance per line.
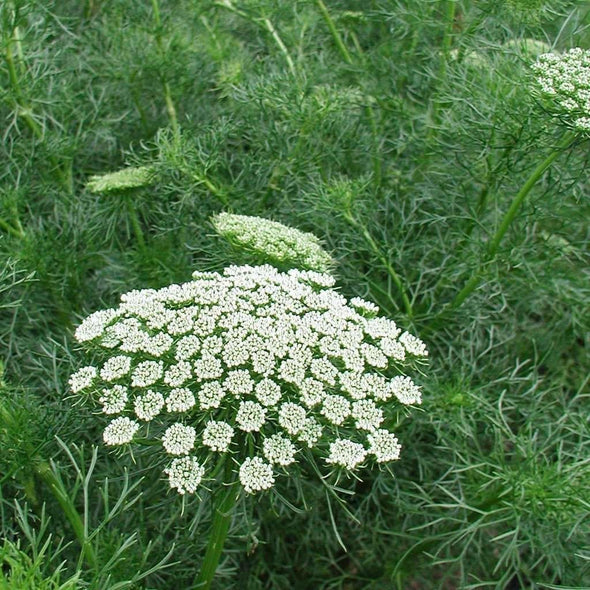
x=274, y=241
x=255, y=363
x=564, y=80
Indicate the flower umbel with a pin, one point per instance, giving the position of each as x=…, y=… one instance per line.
x=564, y=81
x=255, y=363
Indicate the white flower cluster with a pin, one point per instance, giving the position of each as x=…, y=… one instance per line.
x=275, y=241
x=565, y=81
x=253, y=362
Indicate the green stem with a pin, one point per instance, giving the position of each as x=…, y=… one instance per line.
x=383, y=259
x=222, y=515
x=508, y=218
x=54, y=483
x=17, y=233
x=135, y=223
x=267, y=25
x=334, y=32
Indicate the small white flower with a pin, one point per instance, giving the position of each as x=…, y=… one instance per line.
x=147, y=373
x=256, y=475
x=336, y=409
x=278, y=449
x=292, y=418
x=187, y=347
x=367, y=415
x=157, y=345
x=180, y=400
x=115, y=368
x=346, y=453
x=178, y=374
x=238, y=382
x=179, y=439
x=148, y=406
x=185, y=474
x=82, y=378
x=218, y=435
x=113, y=400
x=268, y=392
x=292, y=371
x=406, y=391
x=364, y=307
x=208, y=367
x=413, y=345
x=311, y=432
x=251, y=416
x=94, y=325
x=373, y=356
x=120, y=431
x=210, y=395
x=312, y=392
x=263, y=362
x=384, y=445
x=324, y=370
x=393, y=349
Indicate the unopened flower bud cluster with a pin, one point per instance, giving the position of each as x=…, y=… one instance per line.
x=275, y=241
x=564, y=80
x=125, y=179
x=252, y=362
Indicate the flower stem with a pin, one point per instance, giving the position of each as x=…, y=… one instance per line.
x=334, y=32
x=267, y=25
x=54, y=483
x=135, y=223
x=508, y=218
x=223, y=505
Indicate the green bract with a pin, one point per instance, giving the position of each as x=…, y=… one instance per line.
x=254, y=362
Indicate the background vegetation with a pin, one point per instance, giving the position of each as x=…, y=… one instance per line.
x=398, y=132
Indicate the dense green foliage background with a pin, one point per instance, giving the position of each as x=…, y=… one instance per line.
x=398, y=132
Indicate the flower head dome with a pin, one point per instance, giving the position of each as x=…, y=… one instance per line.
x=255, y=363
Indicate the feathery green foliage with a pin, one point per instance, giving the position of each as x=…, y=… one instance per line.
x=407, y=137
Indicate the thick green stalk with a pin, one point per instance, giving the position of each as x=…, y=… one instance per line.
x=223, y=505
x=334, y=32
x=44, y=471
x=507, y=220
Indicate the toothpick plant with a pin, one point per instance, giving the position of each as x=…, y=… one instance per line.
x=236, y=376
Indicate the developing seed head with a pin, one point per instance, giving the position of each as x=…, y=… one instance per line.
x=253, y=362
